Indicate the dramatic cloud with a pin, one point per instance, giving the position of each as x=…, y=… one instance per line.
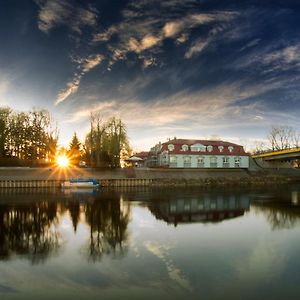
x=217, y=103
x=172, y=67
x=72, y=88
x=85, y=65
x=91, y=62
x=62, y=12
x=137, y=34
x=197, y=47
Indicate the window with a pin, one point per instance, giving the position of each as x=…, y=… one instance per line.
x=209, y=148
x=187, y=159
x=221, y=148
x=225, y=162
x=213, y=161
x=200, y=161
x=173, y=161
x=185, y=147
x=198, y=148
x=237, y=162
x=171, y=147
x=230, y=148
x=187, y=162
x=225, y=159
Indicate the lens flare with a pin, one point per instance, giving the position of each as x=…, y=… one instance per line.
x=62, y=161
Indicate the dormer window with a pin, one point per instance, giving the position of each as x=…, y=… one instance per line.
x=170, y=147
x=209, y=148
x=230, y=148
x=198, y=148
x=185, y=147
x=221, y=148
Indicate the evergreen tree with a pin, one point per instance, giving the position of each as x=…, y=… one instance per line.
x=75, y=150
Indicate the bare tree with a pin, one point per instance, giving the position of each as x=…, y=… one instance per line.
x=283, y=137
x=259, y=147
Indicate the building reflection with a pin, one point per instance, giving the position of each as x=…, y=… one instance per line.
x=203, y=208
x=282, y=210
x=30, y=224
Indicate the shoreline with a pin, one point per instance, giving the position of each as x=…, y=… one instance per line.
x=52, y=178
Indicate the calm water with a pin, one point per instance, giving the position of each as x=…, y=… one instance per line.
x=150, y=244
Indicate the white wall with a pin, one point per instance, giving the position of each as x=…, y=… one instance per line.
x=244, y=161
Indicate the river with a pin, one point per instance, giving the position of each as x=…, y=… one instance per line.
x=150, y=244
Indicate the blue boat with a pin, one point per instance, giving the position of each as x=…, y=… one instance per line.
x=81, y=183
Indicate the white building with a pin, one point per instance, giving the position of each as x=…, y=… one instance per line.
x=183, y=153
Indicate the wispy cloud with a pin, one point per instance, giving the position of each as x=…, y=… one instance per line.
x=84, y=66
x=54, y=13
x=270, y=59
x=208, y=104
x=145, y=32
x=196, y=47
x=285, y=56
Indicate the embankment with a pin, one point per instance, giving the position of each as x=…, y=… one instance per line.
x=45, y=177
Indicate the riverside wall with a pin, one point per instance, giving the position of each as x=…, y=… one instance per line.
x=53, y=177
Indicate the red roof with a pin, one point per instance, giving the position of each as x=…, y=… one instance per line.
x=237, y=149
x=143, y=154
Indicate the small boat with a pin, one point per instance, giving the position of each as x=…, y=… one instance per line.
x=81, y=183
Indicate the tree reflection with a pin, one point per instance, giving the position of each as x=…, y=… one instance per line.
x=74, y=208
x=32, y=227
x=108, y=221
x=280, y=213
x=28, y=230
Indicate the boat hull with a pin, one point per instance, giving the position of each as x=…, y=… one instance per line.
x=81, y=183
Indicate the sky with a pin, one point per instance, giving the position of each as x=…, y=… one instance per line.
x=185, y=68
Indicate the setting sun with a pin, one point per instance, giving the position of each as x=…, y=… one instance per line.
x=62, y=161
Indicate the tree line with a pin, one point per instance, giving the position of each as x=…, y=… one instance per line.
x=28, y=138
x=280, y=137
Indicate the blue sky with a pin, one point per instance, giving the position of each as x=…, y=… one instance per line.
x=184, y=68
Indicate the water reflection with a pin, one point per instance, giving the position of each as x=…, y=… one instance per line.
x=108, y=220
x=30, y=223
x=203, y=208
x=281, y=209
x=29, y=230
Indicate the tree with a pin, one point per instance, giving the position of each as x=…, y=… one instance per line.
x=4, y=129
x=283, y=137
x=106, y=142
x=27, y=136
x=74, y=152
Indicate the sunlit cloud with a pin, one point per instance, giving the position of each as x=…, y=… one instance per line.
x=85, y=65
x=136, y=34
x=71, y=88
x=207, y=105
x=91, y=62
x=197, y=47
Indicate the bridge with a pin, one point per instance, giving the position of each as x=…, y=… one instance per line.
x=282, y=155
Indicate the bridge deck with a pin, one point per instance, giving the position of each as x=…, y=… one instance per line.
x=282, y=153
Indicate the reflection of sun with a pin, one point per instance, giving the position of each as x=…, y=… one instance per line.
x=62, y=161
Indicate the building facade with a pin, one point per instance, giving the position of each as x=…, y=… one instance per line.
x=184, y=153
